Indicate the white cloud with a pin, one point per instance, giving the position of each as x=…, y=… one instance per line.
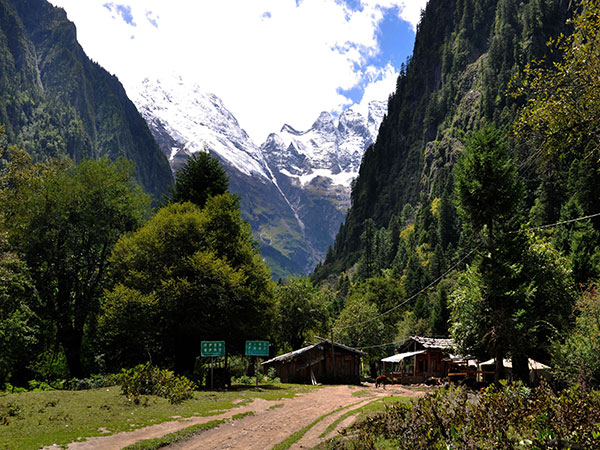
x=271, y=61
x=382, y=84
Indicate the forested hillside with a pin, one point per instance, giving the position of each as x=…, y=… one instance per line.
x=55, y=101
x=466, y=52
x=476, y=213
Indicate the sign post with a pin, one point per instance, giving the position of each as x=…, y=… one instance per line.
x=211, y=349
x=256, y=349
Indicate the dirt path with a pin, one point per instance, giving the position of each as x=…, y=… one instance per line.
x=272, y=422
x=268, y=428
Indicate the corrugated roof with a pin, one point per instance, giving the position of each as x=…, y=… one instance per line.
x=431, y=342
x=400, y=356
x=292, y=355
x=533, y=365
x=345, y=347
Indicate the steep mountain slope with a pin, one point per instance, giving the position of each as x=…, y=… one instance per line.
x=465, y=54
x=295, y=188
x=315, y=169
x=54, y=100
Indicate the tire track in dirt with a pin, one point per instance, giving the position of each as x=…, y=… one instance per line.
x=312, y=436
x=119, y=440
x=266, y=429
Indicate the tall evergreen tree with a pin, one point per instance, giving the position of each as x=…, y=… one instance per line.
x=201, y=177
x=366, y=268
x=489, y=193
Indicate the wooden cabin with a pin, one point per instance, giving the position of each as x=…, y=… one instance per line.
x=418, y=359
x=323, y=362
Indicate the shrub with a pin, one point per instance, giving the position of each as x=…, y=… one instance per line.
x=145, y=379
x=35, y=385
x=499, y=418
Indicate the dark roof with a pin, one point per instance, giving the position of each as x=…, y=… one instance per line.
x=443, y=344
x=291, y=355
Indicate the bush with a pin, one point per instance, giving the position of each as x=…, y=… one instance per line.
x=93, y=382
x=35, y=385
x=145, y=379
x=505, y=418
x=269, y=378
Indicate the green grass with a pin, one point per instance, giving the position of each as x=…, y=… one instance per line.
x=278, y=405
x=182, y=435
x=362, y=393
x=364, y=411
x=37, y=419
x=242, y=415
x=295, y=437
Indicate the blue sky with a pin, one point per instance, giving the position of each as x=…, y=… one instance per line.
x=270, y=61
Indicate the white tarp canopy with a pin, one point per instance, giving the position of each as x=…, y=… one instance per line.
x=400, y=356
x=533, y=365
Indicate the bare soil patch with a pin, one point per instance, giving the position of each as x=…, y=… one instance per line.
x=263, y=430
x=268, y=428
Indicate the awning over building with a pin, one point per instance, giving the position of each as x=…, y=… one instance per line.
x=533, y=365
x=400, y=356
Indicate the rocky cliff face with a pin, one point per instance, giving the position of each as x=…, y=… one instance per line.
x=55, y=100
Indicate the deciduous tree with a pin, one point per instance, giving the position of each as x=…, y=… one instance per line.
x=300, y=309
x=63, y=219
x=189, y=274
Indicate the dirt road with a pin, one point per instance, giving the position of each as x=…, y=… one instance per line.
x=272, y=422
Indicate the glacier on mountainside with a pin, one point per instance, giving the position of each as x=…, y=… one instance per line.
x=196, y=121
x=294, y=188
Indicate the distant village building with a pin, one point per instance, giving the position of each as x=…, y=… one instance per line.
x=322, y=362
x=537, y=370
x=419, y=359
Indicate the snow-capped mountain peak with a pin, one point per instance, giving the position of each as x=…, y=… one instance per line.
x=328, y=149
x=324, y=123
x=294, y=188
x=195, y=121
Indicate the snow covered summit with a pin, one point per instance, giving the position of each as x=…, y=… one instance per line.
x=191, y=120
x=294, y=188
x=329, y=149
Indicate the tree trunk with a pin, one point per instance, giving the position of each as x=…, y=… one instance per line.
x=499, y=368
x=71, y=342
x=520, y=367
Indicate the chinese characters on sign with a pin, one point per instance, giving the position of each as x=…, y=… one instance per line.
x=257, y=348
x=212, y=348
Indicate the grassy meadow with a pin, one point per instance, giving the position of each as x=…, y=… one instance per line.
x=31, y=420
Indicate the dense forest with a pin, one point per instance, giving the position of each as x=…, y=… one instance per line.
x=475, y=214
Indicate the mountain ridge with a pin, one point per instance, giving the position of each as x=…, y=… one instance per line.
x=54, y=100
x=294, y=188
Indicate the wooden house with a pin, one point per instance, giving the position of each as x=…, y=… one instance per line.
x=418, y=359
x=323, y=362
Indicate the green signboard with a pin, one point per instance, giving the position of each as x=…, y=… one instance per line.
x=212, y=348
x=257, y=348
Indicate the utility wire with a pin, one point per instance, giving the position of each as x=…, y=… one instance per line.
x=433, y=283
x=437, y=280
x=380, y=345
x=541, y=227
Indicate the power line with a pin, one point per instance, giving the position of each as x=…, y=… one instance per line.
x=437, y=280
x=433, y=283
x=380, y=345
x=541, y=227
